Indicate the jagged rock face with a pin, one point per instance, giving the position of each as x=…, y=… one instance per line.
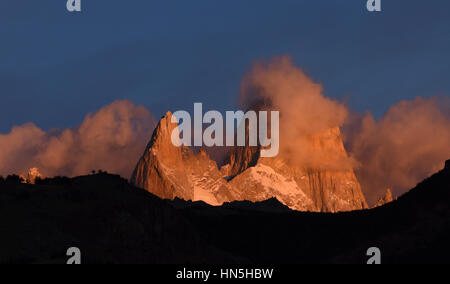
x=387, y=198
x=161, y=169
x=300, y=188
x=168, y=172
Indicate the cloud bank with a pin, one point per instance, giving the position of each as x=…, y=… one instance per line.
x=309, y=121
x=111, y=139
x=409, y=143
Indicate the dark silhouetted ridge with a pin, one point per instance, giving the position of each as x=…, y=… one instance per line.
x=114, y=222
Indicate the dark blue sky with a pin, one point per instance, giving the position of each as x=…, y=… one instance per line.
x=55, y=66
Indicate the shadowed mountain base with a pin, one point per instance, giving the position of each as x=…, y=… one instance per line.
x=113, y=222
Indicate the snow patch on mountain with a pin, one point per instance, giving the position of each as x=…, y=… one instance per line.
x=270, y=179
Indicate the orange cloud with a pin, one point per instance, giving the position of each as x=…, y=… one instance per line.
x=111, y=139
x=409, y=143
x=305, y=114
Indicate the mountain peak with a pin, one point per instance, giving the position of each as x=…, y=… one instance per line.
x=161, y=169
x=163, y=131
x=167, y=116
x=387, y=198
x=169, y=172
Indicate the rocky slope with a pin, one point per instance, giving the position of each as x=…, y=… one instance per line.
x=168, y=172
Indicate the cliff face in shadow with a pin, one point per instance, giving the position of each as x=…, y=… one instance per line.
x=114, y=222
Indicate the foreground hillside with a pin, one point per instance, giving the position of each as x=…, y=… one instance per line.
x=413, y=229
x=110, y=221
x=113, y=222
